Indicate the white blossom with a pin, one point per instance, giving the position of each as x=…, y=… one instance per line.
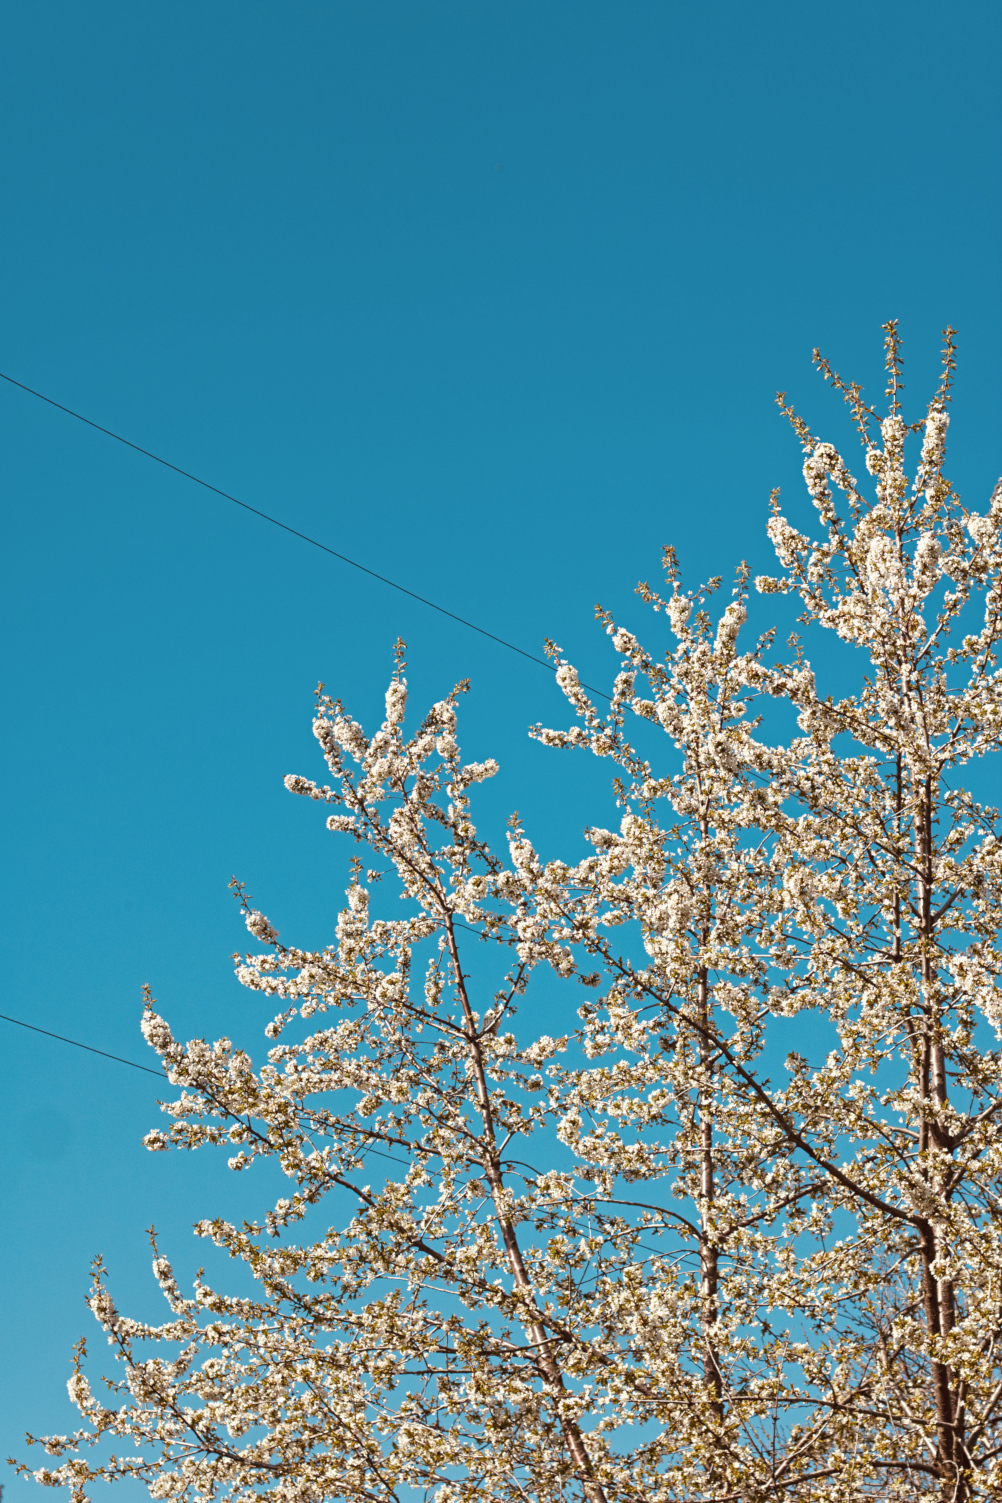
x=260, y=927
x=730, y=624
x=679, y=611
x=396, y=701
x=983, y=530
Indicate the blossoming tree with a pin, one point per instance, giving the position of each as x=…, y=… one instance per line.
x=644, y=1260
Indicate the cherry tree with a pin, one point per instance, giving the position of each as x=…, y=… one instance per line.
x=646, y=1259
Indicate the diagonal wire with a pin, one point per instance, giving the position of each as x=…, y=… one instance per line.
x=314, y=542
x=77, y=1045
x=158, y=1073
x=266, y=517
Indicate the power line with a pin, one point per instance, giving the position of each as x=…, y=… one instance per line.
x=77, y=1045
x=158, y=1073
x=266, y=517
x=276, y=522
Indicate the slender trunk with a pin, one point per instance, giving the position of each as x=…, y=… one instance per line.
x=546, y=1364
x=709, y=1257
x=937, y=1294
x=942, y=1388
x=898, y=806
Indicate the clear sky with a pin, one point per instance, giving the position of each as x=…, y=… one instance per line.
x=492, y=297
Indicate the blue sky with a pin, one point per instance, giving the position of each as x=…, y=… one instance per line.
x=493, y=297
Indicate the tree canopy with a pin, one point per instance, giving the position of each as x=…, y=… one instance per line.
x=637, y=1261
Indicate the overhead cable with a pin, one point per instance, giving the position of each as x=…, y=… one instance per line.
x=77, y=1045
x=276, y=522
x=131, y=1062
